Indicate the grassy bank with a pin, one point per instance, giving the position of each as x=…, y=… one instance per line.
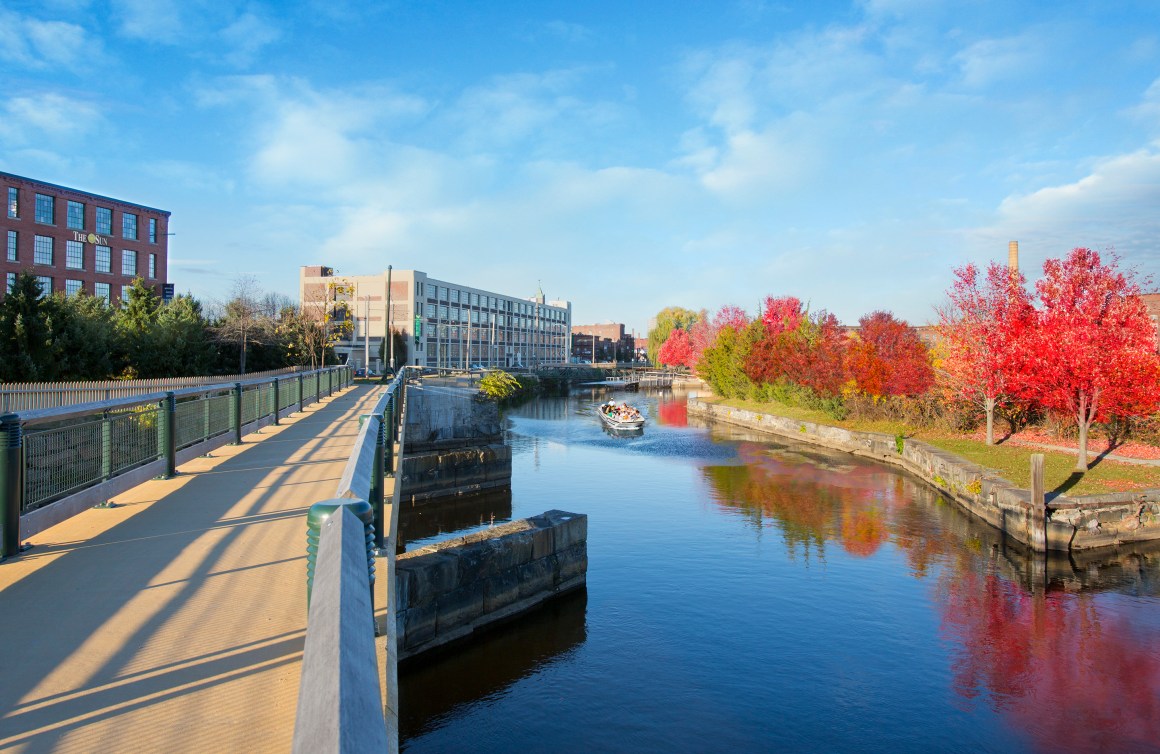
x=1007, y=461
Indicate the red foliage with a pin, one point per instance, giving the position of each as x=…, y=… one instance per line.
x=980, y=330
x=1092, y=353
x=677, y=350
x=781, y=314
x=704, y=332
x=812, y=353
x=888, y=357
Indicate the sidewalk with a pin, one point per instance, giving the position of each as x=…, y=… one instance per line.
x=175, y=621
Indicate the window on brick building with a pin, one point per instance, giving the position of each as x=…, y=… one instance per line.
x=76, y=215
x=125, y=294
x=152, y=266
x=45, y=209
x=12, y=246
x=74, y=255
x=45, y=285
x=128, y=263
x=42, y=250
x=153, y=230
x=104, y=220
x=101, y=290
x=13, y=201
x=129, y=226
x=104, y=259
x=73, y=287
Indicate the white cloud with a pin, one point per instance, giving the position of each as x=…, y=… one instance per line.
x=988, y=61
x=1114, y=205
x=152, y=20
x=46, y=44
x=247, y=36
x=44, y=118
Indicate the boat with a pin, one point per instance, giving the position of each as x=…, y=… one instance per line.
x=621, y=416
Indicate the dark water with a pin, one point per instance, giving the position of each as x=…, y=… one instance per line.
x=746, y=594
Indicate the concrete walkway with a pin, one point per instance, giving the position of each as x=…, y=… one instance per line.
x=175, y=621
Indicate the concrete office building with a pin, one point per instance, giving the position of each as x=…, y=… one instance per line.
x=73, y=240
x=444, y=324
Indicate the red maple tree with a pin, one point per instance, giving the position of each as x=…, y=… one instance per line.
x=888, y=358
x=799, y=347
x=1093, y=352
x=704, y=331
x=677, y=350
x=980, y=328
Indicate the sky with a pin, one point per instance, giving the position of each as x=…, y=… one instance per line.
x=624, y=156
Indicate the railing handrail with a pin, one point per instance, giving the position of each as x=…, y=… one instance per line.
x=36, y=416
x=339, y=694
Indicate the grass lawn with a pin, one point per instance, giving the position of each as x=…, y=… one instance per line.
x=1009, y=462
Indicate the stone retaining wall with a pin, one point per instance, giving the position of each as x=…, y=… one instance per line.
x=455, y=471
x=449, y=590
x=1063, y=524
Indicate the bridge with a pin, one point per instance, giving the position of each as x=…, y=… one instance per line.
x=174, y=620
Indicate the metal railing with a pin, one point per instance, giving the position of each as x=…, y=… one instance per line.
x=56, y=462
x=30, y=396
x=339, y=665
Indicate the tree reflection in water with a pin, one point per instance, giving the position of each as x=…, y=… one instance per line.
x=1068, y=668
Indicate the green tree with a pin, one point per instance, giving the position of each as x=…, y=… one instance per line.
x=722, y=364
x=136, y=324
x=24, y=331
x=84, y=337
x=668, y=319
x=182, y=339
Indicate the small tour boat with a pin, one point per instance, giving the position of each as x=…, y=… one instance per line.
x=621, y=416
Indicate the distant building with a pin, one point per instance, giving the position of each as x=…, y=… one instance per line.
x=443, y=324
x=73, y=240
x=602, y=343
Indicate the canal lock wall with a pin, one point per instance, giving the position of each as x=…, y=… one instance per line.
x=447, y=591
x=454, y=445
x=1063, y=524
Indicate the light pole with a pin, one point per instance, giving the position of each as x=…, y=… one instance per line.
x=390, y=337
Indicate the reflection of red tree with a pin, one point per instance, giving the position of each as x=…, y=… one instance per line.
x=673, y=413
x=1071, y=678
x=863, y=531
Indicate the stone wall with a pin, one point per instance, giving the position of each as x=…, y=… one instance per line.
x=1063, y=524
x=449, y=590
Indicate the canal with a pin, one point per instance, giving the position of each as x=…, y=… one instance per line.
x=750, y=594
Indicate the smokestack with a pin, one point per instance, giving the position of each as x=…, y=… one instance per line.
x=1013, y=256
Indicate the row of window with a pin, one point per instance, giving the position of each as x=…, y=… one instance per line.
x=454, y=296
x=451, y=332
x=486, y=319
x=45, y=213
x=73, y=287
x=74, y=256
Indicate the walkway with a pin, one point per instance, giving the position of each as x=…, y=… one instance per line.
x=175, y=621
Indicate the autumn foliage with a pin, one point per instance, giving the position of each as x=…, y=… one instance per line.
x=887, y=357
x=677, y=350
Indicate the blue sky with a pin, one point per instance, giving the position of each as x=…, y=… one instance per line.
x=626, y=156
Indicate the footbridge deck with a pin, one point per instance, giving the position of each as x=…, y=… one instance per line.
x=175, y=621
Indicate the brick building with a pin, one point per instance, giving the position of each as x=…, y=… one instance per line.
x=73, y=240
x=602, y=343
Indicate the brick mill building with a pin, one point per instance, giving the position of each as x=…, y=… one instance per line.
x=72, y=240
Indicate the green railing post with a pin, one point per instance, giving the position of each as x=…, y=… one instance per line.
x=301, y=395
x=277, y=407
x=11, y=483
x=236, y=413
x=378, y=485
x=389, y=428
x=316, y=517
x=206, y=401
x=167, y=433
x=330, y=382
x=106, y=447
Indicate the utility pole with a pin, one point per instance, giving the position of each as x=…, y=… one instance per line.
x=390, y=337
x=367, y=335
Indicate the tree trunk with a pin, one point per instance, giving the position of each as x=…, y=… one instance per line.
x=990, y=407
x=1081, y=463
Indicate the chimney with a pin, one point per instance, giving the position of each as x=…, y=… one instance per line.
x=1013, y=256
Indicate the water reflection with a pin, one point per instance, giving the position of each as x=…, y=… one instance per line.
x=1036, y=637
x=436, y=519
x=433, y=688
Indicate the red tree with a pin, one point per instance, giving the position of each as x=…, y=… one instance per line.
x=1093, y=352
x=980, y=327
x=677, y=350
x=888, y=357
x=801, y=348
x=704, y=332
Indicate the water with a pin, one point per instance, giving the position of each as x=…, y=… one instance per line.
x=748, y=594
